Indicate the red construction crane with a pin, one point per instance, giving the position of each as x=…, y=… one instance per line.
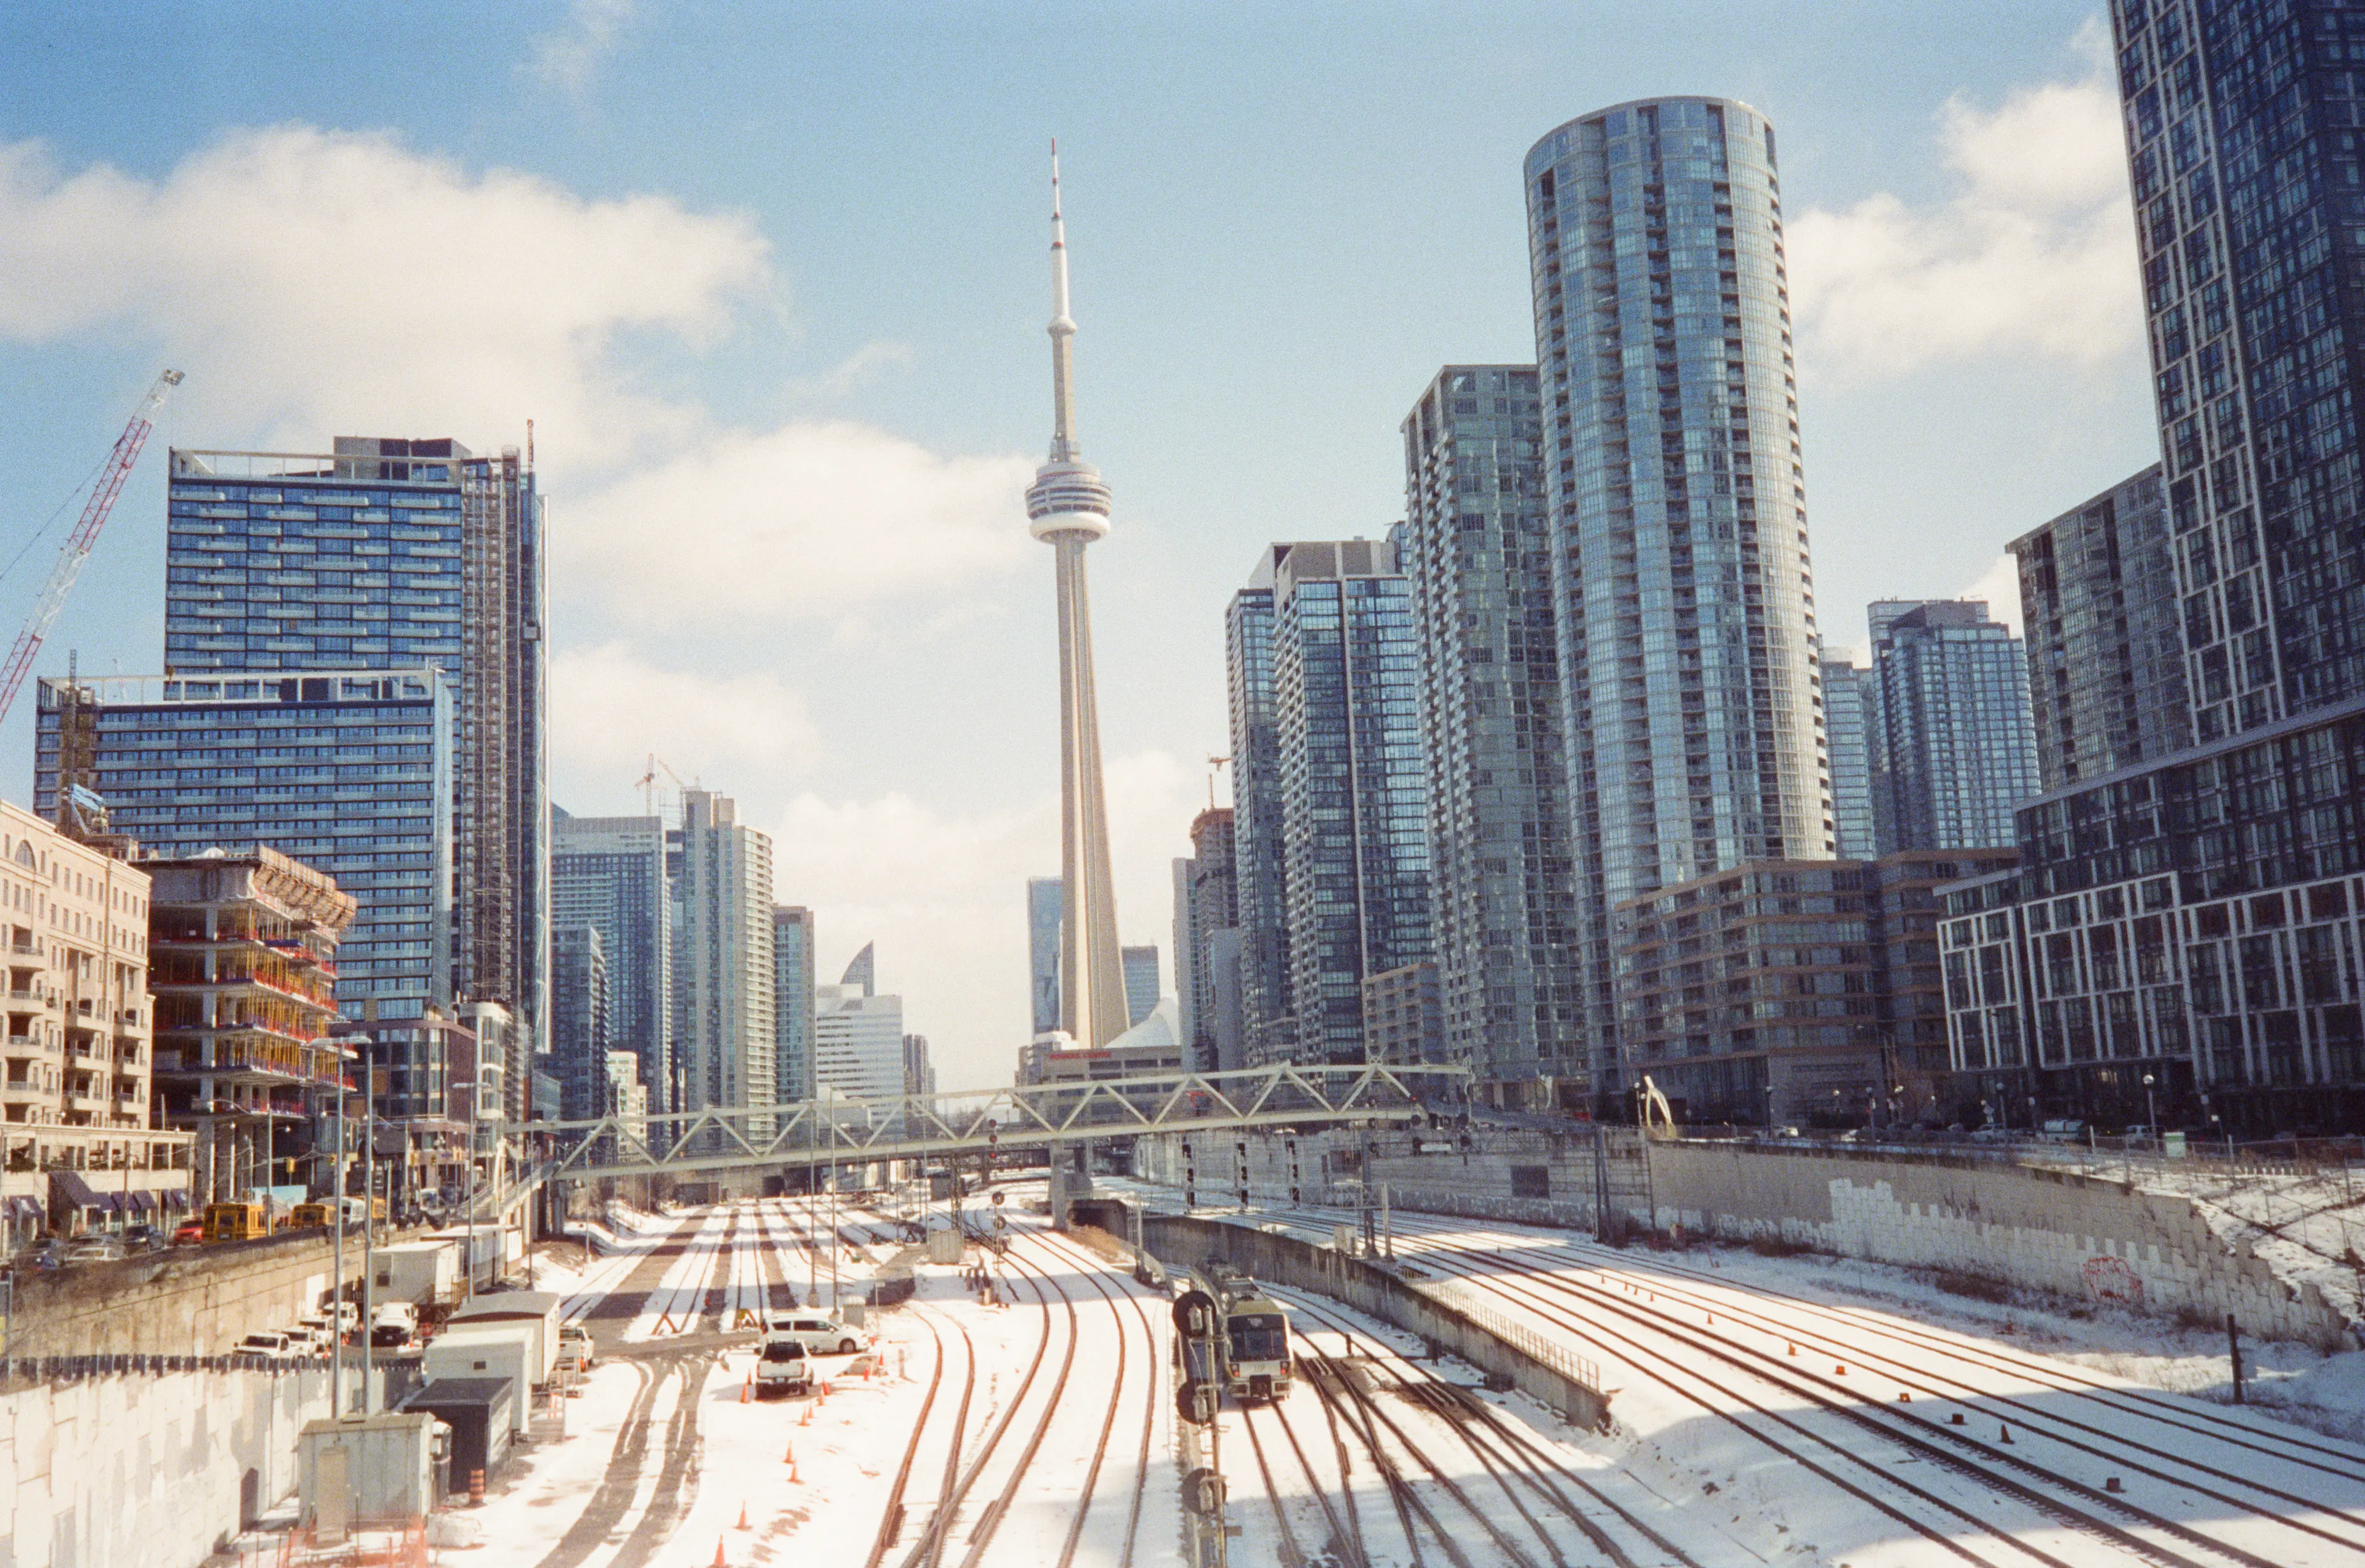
x=85, y=535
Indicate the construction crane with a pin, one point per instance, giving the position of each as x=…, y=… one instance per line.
x=647, y=782
x=85, y=534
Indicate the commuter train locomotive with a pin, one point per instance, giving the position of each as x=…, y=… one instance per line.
x=1252, y=1341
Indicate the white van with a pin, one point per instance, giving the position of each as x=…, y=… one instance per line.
x=818, y=1333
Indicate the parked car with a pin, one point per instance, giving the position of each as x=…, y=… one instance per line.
x=142, y=1238
x=95, y=1249
x=782, y=1367
x=44, y=1253
x=306, y=1340
x=189, y=1233
x=270, y=1345
x=818, y=1333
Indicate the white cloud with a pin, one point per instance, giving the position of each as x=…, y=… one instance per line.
x=813, y=517
x=567, y=56
x=2033, y=252
x=2000, y=586
x=314, y=283
x=610, y=707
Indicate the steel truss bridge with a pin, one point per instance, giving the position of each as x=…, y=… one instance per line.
x=804, y=1134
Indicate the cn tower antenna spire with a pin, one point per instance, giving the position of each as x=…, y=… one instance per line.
x=1063, y=331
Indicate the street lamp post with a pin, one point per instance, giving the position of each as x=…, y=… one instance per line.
x=2151, y=1107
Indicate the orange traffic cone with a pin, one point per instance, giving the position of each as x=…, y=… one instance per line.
x=1841, y=1369
x=719, y=1561
x=806, y=1419
x=1794, y=1350
x=792, y=1470
x=743, y=1516
x=747, y=1388
x=791, y=1457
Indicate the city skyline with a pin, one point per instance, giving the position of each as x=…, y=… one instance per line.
x=873, y=834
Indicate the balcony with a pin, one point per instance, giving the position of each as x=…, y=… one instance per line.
x=23, y=1092
x=26, y=950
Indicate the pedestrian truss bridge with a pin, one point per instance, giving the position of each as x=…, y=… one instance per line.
x=803, y=1134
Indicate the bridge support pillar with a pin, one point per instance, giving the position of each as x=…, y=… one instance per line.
x=1059, y=1189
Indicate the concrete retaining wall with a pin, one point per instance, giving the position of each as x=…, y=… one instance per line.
x=188, y=1302
x=145, y=1472
x=1556, y=1378
x=2080, y=1236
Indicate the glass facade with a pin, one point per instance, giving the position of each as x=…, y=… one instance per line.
x=1047, y=902
x=2243, y=122
x=579, y=1021
x=1268, y=1027
x=2105, y=652
x=727, y=1039
x=388, y=554
x=1683, y=596
x=610, y=873
x=1958, y=749
x=346, y=772
x=1849, y=703
x=1353, y=792
x=1141, y=980
x=792, y=1000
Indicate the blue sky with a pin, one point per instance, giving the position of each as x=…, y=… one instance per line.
x=771, y=282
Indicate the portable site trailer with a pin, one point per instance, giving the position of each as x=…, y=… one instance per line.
x=424, y=1273
x=368, y=1469
x=535, y=1311
x=486, y=1351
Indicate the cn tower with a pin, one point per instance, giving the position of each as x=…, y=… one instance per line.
x=1068, y=508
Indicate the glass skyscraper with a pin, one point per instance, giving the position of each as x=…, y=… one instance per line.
x=347, y=771
x=1849, y=703
x=1346, y=773
x=1683, y=596
x=1047, y=902
x=1267, y=1024
x=2105, y=654
x=1502, y=898
x=610, y=873
x=2242, y=123
x=719, y=871
x=792, y=1000
x=393, y=554
x=1957, y=750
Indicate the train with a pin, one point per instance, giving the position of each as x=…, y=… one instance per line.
x=1252, y=1341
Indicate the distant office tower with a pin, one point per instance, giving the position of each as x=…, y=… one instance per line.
x=2240, y=130
x=720, y=874
x=1684, y=602
x=1206, y=918
x=857, y=1043
x=1141, y=980
x=792, y=1000
x=347, y=771
x=1345, y=775
x=1957, y=747
x=919, y=1072
x=1268, y=1026
x=1850, y=704
x=862, y=971
x=1046, y=899
x=1502, y=896
x=610, y=873
x=2105, y=644
x=388, y=554
x=580, y=1017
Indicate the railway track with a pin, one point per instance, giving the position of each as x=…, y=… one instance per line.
x=1829, y=1425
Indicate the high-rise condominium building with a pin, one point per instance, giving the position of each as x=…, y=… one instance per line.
x=857, y=1043
x=2105, y=644
x=792, y=1000
x=1479, y=556
x=720, y=873
x=1684, y=601
x=1267, y=1024
x=1850, y=701
x=919, y=1072
x=1957, y=750
x=579, y=1014
x=1141, y=980
x=1340, y=782
x=1207, y=946
x=387, y=554
x=610, y=873
x=2240, y=131
x=1045, y=901
x=347, y=771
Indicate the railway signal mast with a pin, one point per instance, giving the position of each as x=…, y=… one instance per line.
x=84, y=536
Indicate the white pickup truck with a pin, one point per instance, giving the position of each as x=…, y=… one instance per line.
x=782, y=1367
